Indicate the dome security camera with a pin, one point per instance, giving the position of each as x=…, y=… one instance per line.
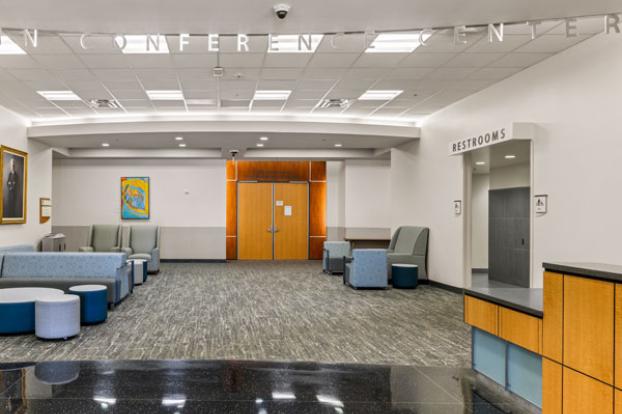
x=281, y=10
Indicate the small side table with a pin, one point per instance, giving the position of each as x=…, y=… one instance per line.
x=139, y=269
x=93, y=303
x=405, y=276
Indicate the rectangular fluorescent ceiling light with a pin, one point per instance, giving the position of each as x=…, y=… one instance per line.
x=396, y=43
x=59, y=95
x=275, y=95
x=165, y=95
x=294, y=43
x=201, y=101
x=143, y=44
x=9, y=47
x=380, y=95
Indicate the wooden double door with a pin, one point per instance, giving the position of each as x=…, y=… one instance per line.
x=273, y=221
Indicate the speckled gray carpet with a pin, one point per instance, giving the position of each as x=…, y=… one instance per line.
x=266, y=311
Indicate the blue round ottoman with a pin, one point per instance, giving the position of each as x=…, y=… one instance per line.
x=17, y=308
x=405, y=276
x=93, y=303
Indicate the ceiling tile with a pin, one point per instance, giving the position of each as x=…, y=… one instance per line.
x=418, y=59
x=379, y=60
x=443, y=42
x=76, y=75
x=520, y=60
x=450, y=73
x=408, y=73
x=473, y=60
x=510, y=42
x=18, y=62
x=59, y=61
x=205, y=61
x=333, y=60
x=241, y=60
x=287, y=60
x=493, y=73
x=281, y=73
x=150, y=61
x=105, y=61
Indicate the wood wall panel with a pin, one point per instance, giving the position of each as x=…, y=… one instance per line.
x=618, y=402
x=552, y=328
x=589, y=327
x=230, y=170
x=232, y=248
x=232, y=203
x=481, y=314
x=318, y=171
x=520, y=329
x=316, y=248
x=551, y=387
x=618, y=339
x=273, y=171
x=583, y=395
x=317, y=209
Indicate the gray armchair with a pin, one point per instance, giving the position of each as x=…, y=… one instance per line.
x=409, y=245
x=144, y=243
x=103, y=238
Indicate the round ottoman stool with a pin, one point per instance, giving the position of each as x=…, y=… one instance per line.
x=93, y=303
x=405, y=276
x=57, y=317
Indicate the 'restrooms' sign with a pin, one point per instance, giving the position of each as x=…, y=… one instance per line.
x=479, y=141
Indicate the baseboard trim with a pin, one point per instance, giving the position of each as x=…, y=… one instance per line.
x=446, y=287
x=479, y=270
x=193, y=260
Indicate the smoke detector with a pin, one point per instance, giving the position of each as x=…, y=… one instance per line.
x=218, y=72
x=103, y=104
x=335, y=103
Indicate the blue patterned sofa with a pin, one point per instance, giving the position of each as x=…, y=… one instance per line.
x=63, y=270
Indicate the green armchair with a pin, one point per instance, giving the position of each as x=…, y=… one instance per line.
x=144, y=243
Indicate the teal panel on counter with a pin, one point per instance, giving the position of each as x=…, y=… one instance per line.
x=489, y=356
x=525, y=374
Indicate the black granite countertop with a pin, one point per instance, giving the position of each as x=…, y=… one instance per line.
x=524, y=300
x=609, y=272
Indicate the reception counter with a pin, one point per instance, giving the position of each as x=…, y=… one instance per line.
x=573, y=327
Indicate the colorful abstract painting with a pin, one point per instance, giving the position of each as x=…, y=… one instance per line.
x=135, y=198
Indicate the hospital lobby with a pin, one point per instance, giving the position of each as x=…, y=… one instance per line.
x=310, y=207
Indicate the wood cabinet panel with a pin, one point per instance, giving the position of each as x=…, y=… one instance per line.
x=617, y=409
x=589, y=327
x=520, y=329
x=230, y=170
x=232, y=248
x=316, y=247
x=232, y=208
x=481, y=314
x=582, y=394
x=551, y=387
x=552, y=322
x=618, y=336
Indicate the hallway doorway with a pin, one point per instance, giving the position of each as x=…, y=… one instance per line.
x=273, y=221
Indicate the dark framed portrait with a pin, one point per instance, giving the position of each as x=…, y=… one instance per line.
x=14, y=189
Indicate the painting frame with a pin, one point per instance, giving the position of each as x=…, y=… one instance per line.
x=4, y=204
x=141, y=187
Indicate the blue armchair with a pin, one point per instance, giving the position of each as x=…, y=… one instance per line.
x=333, y=259
x=367, y=269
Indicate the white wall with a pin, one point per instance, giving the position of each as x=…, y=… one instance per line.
x=187, y=200
x=335, y=199
x=573, y=98
x=513, y=176
x=13, y=134
x=479, y=234
x=367, y=197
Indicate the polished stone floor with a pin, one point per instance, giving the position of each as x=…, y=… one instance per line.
x=247, y=387
x=269, y=312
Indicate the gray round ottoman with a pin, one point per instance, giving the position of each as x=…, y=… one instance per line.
x=57, y=317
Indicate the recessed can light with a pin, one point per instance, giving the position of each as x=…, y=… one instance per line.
x=480, y=163
x=259, y=144
x=182, y=145
x=105, y=144
x=263, y=138
x=179, y=138
x=510, y=157
x=338, y=145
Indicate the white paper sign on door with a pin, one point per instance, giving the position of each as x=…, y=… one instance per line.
x=279, y=203
x=288, y=210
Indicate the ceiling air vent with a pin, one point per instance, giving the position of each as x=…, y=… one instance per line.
x=103, y=103
x=335, y=103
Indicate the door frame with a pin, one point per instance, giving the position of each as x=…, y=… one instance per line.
x=273, y=184
x=467, y=211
